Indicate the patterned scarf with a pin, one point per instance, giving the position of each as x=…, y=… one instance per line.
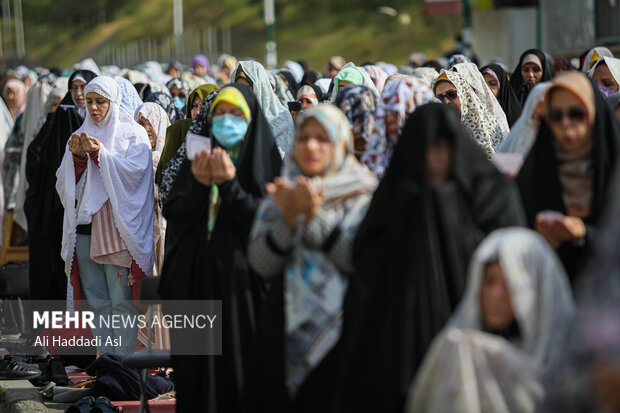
x=401, y=96
x=359, y=104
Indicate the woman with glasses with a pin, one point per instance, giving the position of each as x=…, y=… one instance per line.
x=565, y=178
x=453, y=89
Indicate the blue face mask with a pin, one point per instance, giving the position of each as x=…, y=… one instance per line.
x=179, y=103
x=229, y=129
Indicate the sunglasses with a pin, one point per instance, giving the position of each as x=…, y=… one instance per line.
x=450, y=95
x=574, y=114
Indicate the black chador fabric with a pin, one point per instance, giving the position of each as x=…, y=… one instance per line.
x=292, y=85
x=506, y=95
x=43, y=209
x=216, y=268
x=522, y=89
x=411, y=256
x=540, y=187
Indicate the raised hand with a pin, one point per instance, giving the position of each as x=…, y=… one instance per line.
x=308, y=200
x=284, y=197
x=222, y=167
x=75, y=146
x=201, y=168
x=89, y=144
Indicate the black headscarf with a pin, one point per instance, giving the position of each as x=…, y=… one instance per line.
x=411, y=255
x=521, y=89
x=506, y=95
x=434, y=64
x=43, y=209
x=144, y=90
x=216, y=268
x=289, y=80
x=310, y=77
x=540, y=187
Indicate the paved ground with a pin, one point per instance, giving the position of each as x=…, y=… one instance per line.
x=56, y=407
x=24, y=385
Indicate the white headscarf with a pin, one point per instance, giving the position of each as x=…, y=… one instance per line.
x=472, y=371
x=593, y=56
x=158, y=118
x=124, y=177
x=296, y=70
x=613, y=65
x=88, y=64
x=323, y=84
x=278, y=116
x=538, y=285
x=523, y=133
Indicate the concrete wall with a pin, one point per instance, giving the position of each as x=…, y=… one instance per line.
x=568, y=26
x=505, y=33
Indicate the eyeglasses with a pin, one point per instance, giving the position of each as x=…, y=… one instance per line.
x=574, y=114
x=450, y=95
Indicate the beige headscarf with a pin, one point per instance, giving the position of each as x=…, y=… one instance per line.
x=575, y=172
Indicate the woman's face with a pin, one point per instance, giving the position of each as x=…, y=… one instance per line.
x=495, y=301
x=97, y=106
x=306, y=103
x=174, y=72
x=243, y=81
x=531, y=73
x=391, y=124
x=77, y=92
x=438, y=162
x=493, y=84
x=55, y=104
x=342, y=84
x=568, y=120
x=196, y=105
x=11, y=97
x=175, y=91
x=603, y=77
x=359, y=143
x=150, y=130
x=199, y=70
x=313, y=151
x=446, y=93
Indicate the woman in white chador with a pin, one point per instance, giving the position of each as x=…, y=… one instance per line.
x=507, y=331
x=105, y=183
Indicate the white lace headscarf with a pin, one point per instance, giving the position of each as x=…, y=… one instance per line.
x=481, y=125
x=124, y=177
x=278, y=116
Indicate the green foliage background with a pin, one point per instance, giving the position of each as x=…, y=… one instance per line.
x=61, y=32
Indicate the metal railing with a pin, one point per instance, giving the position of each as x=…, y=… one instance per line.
x=210, y=41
